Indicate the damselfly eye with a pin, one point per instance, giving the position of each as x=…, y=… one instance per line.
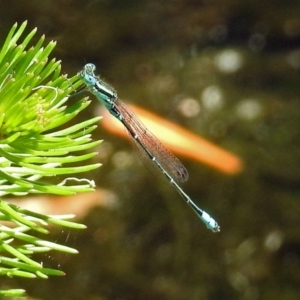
x=90, y=79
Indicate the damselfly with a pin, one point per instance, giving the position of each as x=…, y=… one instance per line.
x=148, y=145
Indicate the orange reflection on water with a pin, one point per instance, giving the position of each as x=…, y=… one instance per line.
x=179, y=140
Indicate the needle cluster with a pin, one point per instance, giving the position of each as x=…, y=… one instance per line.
x=36, y=143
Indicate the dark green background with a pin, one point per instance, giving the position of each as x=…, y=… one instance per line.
x=152, y=246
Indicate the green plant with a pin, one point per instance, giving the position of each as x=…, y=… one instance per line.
x=35, y=143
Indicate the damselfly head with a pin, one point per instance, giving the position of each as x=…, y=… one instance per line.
x=87, y=74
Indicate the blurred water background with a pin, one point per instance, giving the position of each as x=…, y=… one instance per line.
x=228, y=71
